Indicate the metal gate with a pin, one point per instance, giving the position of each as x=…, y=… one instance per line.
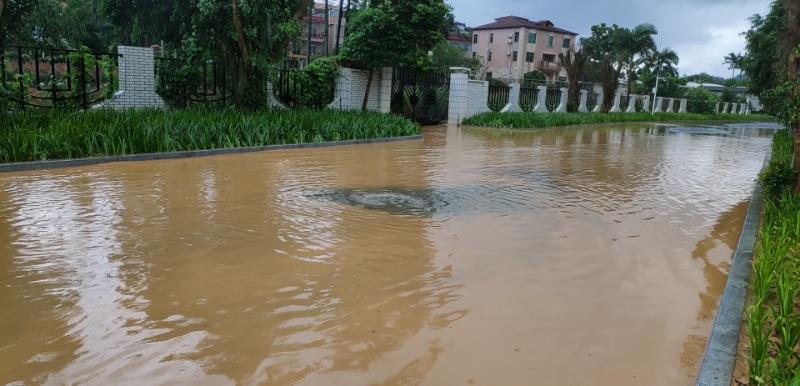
x=423, y=97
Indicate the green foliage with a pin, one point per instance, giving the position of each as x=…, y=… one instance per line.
x=527, y=120
x=446, y=55
x=43, y=135
x=773, y=319
x=315, y=84
x=765, y=59
x=783, y=102
x=391, y=33
x=701, y=101
x=535, y=77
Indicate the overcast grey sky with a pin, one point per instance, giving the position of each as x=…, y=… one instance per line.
x=701, y=31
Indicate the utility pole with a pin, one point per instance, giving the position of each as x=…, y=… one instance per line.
x=658, y=68
x=327, y=29
x=310, y=27
x=339, y=18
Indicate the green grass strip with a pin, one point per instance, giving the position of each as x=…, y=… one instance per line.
x=773, y=317
x=526, y=120
x=52, y=135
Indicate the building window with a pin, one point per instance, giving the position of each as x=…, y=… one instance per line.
x=474, y=55
x=514, y=56
x=491, y=38
x=516, y=37
x=550, y=40
x=475, y=38
x=549, y=58
x=529, y=57
x=532, y=37
x=489, y=56
x=566, y=43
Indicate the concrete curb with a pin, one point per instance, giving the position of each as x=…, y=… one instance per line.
x=720, y=355
x=57, y=164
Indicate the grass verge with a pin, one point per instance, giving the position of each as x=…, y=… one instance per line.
x=49, y=135
x=525, y=120
x=773, y=317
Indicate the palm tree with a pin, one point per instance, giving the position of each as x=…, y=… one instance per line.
x=663, y=62
x=734, y=62
x=635, y=44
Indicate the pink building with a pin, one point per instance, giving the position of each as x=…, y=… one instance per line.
x=512, y=46
x=299, y=49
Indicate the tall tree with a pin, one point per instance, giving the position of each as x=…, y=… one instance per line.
x=607, y=46
x=574, y=63
x=637, y=43
x=383, y=33
x=734, y=62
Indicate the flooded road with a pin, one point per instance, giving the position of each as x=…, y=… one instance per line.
x=588, y=256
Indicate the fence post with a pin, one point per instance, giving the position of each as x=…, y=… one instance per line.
x=684, y=102
x=646, y=103
x=386, y=90
x=716, y=108
x=615, y=105
x=137, y=80
x=599, y=106
x=582, y=108
x=457, y=109
x=541, y=103
x=513, y=99
x=562, y=104
x=742, y=108
x=631, y=104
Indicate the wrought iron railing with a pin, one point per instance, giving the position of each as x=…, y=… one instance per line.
x=51, y=77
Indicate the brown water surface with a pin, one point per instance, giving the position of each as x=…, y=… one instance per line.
x=588, y=256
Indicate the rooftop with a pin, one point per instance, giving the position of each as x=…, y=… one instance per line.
x=507, y=22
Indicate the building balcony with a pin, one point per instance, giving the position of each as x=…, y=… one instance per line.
x=548, y=66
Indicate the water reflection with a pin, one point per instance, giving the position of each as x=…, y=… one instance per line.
x=400, y=263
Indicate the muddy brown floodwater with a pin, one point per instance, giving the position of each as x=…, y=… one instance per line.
x=588, y=256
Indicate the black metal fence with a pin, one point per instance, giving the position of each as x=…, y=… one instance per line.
x=498, y=96
x=297, y=89
x=528, y=97
x=183, y=83
x=423, y=97
x=56, y=77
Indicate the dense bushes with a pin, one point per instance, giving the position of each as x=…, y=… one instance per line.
x=533, y=120
x=42, y=135
x=701, y=101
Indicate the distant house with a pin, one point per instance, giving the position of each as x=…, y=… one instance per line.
x=462, y=42
x=512, y=46
x=719, y=89
x=299, y=49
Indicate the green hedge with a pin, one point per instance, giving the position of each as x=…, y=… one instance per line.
x=44, y=135
x=525, y=120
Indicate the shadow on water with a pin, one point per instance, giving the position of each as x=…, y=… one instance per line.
x=395, y=200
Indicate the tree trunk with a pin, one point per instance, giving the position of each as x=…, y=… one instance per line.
x=573, y=63
x=366, y=91
x=792, y=8
x=2, y=6
x=610, y=85
x=244, y=69
x=339, y=18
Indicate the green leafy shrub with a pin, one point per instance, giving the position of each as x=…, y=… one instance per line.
x=701, y=101
x=526, y=120
x=43, y=135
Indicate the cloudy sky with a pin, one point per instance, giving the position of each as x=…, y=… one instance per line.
x=701, y=31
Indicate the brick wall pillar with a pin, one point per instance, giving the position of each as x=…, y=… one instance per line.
x=646, y=103
x=617, y=98
x=457, y=109
x=137, y=80
x=386, y=90
x=513, y=99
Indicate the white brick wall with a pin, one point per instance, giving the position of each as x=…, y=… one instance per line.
x=137, y=80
